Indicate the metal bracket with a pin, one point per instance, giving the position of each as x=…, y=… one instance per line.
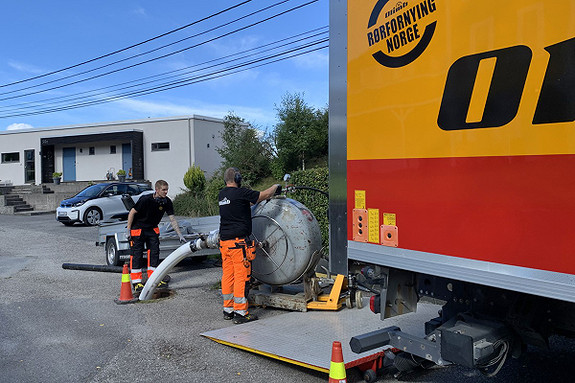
x=394, y=337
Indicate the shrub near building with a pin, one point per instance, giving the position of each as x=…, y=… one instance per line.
x=318, y=203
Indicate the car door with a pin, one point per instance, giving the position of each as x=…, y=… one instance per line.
x=111, y=202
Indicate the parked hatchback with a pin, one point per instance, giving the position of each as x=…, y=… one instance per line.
x=100, y=202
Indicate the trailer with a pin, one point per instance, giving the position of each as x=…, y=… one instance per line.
x=451, y=171
x=112, y=236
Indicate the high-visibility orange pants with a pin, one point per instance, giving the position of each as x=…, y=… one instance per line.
x=237, y=270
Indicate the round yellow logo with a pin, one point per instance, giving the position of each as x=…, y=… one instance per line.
x=400, y=32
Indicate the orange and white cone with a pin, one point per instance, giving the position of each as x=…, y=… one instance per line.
x=337, y=367
x=126, y=295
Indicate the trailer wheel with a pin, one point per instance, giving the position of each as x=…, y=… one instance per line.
x=112, y=254
x=369, y=376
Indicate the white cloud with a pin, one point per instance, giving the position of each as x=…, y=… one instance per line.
x=313, y=60
x=163, y=109
x=140, y=11
x=25, y=67
x=19, y=126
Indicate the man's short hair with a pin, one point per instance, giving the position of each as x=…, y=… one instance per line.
x=230, y=175
x=160, y=183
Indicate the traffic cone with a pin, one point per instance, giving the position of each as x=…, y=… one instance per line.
x=337, y=367
x=126, y=290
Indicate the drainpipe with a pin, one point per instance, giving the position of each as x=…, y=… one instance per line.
x=190, y=141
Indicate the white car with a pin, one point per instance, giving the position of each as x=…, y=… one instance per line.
x=100, y=202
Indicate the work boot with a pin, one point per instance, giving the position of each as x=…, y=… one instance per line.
x=228, y=316
x=138, y=287
x=162, y=285
x=239, y=319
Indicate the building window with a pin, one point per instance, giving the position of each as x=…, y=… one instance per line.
x=92, y=150
x=112, y=149
x=8, y=158
x=158, y=146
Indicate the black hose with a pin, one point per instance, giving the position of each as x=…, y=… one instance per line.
x=85, y=267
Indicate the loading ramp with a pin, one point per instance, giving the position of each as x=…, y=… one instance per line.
x=305, y=338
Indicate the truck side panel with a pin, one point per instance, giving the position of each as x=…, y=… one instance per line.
x=460, y=135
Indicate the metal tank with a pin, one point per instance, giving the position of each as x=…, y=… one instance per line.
x=291, y=241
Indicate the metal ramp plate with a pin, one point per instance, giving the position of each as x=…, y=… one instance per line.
x=305, y=338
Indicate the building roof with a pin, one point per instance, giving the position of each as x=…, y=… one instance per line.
x=111, y=123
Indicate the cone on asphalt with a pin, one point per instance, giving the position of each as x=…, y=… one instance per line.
x=337, y=367
x=126, y=295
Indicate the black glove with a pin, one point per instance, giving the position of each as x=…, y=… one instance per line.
x=278, y=190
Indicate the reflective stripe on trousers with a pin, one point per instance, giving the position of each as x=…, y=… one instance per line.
x=150, y=238
x=236, y=273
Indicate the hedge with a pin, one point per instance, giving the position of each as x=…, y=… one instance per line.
x=318, y=203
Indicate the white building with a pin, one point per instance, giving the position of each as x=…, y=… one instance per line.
x=151, y=149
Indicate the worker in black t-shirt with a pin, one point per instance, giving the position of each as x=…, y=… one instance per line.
x=236, y=248
x=142, y=227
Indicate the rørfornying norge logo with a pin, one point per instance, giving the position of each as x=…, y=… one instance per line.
x=402, y=29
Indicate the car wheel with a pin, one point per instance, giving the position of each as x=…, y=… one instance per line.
x=112, y=254
x=92, y=216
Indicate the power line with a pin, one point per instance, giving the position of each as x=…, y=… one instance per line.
x=165, y=55
x=143, y=53
x=308, y=48
x=127, y=48
x=171, y=74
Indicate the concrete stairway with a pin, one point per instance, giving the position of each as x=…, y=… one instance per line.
x=21, y=199
x=18, y=203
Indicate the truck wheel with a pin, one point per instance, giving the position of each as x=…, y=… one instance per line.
x=369, y=376
x=92, y=216
x=112, y=254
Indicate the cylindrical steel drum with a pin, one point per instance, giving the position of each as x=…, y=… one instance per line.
x=291, y=241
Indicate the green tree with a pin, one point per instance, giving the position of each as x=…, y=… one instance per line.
x=244, y=148
x=300, y=136
x=195, y=180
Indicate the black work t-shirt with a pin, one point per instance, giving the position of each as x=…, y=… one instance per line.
x=235, y=212
x=150, y=211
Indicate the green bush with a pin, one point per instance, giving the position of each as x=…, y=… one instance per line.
x=195, y=180
x=194, y=205
x=213, y=187
x=317, y=202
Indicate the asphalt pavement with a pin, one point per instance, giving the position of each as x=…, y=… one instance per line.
x=60, y=325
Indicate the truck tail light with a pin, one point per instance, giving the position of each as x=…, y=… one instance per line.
x=375, y=303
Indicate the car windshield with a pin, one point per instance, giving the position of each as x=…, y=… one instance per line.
x=91, y=191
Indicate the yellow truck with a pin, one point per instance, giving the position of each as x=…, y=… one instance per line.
x=452, y=170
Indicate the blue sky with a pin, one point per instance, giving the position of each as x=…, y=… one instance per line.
x=39, y=37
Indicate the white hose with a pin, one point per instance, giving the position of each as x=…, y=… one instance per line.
x=162, y=270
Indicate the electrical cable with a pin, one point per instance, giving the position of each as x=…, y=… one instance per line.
x=166, y=75
x=165, y=55
x=127, y=48
x=145, y=53
x=173, y=85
